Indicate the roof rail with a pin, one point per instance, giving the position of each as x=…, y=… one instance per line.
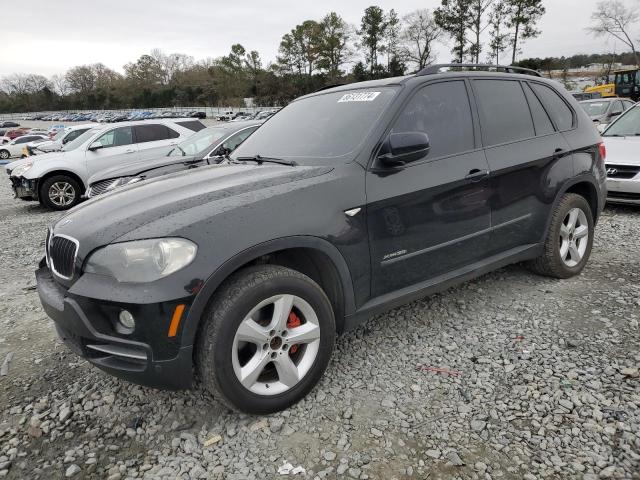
x=433, y=69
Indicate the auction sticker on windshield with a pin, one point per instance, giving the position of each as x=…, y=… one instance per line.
x=359, y=97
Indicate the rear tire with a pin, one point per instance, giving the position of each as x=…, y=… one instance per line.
x=60, y=192
x=569, y=240
x=266, y=341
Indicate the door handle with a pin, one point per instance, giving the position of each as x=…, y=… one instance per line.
x=129, y=151
x=475, y=175
x=558, y=153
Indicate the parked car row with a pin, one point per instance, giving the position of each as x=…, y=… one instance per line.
x=241, y=116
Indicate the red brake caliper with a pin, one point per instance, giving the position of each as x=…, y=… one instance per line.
x=293, y=322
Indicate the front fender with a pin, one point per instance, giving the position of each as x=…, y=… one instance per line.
x=192, y=322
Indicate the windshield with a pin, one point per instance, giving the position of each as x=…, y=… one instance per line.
x=198, y=142
x=73, y=144
x=628, y=125
x=328, y=125
x=594, y=109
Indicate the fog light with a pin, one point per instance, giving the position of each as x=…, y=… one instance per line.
x=127, y=320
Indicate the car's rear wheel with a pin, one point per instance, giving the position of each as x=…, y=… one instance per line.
x=60, y=192
x=267, y=338
x=4, y=154
x=569, y=240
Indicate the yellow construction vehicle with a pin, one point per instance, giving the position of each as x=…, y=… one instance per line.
x=626, y=84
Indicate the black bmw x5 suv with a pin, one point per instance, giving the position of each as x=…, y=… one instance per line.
x=348, y=202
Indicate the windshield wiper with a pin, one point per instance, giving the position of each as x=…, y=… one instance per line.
x=260, y=160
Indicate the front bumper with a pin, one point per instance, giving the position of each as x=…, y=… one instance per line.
x=24, y=188
x=624, y=190
x=147, y=358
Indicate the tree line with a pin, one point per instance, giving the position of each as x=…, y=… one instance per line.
x=314, y=54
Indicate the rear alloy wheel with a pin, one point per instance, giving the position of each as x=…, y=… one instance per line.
x=569, y=240
x=60, y=192
x=4, y=154
x=267, y=339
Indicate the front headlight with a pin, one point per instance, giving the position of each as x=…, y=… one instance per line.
x=21, y=169
x=142, y=261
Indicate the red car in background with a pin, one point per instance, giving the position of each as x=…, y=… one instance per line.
x=18, y=132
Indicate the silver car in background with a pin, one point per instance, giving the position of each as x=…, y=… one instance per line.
x=58, y=179
x=622, y=140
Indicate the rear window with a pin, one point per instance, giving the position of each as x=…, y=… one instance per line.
x=559, y=111
x=153, y=133
x=194, y=125
x=504, y=111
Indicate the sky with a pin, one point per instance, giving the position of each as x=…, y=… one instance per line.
x=49, y=37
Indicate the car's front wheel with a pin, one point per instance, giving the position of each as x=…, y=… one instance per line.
x=267, y=339
x=60, y=192
x=4, y=154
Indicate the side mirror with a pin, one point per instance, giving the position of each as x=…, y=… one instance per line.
x=615, y=114
x=95, y=146
x=405, y=147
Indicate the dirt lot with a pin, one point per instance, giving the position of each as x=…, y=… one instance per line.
x=511, y=376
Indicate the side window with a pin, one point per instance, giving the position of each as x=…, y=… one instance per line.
x=233, y=142
x=153, y=133
x=504, y=113
x=194, y=125
x=442, y=111
x=617, y=108
x=117, y=138
x=627, y=105
x=541, y=120
x=73, y=135
x=559, y=111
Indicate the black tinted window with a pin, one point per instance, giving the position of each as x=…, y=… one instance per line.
x=504, y=113
x=560, y=113
x=541, y=120
x=194, y=125
x=441, y=111
x=153, y=133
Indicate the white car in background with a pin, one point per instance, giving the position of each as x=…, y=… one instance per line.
x=58, y=179
x=622, y=140
x=15, y=148
x=60, y=139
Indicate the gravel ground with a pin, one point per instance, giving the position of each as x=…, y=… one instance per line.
x=511, y=376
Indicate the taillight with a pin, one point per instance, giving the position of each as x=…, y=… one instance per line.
x=602, y=150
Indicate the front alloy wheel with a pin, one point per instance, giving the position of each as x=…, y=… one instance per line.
x=267, y=338
x=60, y=192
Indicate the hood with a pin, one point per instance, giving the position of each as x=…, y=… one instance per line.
x=164, y=206
x=136, y=168
x=41, y=160
x=622, y=150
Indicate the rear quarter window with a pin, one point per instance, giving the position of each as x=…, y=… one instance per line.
x=194, y=125
x=153, y=133
x=557, y=108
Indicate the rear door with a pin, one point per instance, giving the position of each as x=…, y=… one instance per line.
x=432, y=216
x=526, y=155
x=118, y=148
x=154, y=140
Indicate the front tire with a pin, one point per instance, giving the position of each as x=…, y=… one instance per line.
x=60, y=192
x=569, y=240
x=4, y=154
x=267, y=339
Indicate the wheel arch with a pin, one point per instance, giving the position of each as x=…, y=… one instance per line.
x=68, y=173
x=583, y=185
x=313, y=256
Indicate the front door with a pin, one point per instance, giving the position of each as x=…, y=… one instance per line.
x=432, y=216
x=117, y=149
